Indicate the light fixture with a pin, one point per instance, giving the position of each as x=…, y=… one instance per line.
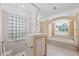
x=23, y=6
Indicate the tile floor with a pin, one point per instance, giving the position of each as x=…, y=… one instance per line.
x=58, y=51
x=54, y=50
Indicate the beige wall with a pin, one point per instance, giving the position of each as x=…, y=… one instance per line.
x=77, y=32
x=71, y=29
x=50, y=30
x=53, y=29
x=71, y=24
x=44, y=27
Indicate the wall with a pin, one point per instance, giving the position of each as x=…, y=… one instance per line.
x=71, y=29
x=30, y=14
x=0, y=28
x=53, y=29
x=10, y=8
x=77, y=31
x=6, y=9
x=67, y=19
x=5, y=24
x=38, y=23
x=44, y=27
x=32, y=24
x=0, y=23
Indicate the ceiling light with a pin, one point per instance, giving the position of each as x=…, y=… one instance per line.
x=22, y=6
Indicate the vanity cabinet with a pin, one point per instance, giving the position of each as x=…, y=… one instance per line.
x=37, y=44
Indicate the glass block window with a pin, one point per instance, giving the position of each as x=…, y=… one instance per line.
x=16, y=26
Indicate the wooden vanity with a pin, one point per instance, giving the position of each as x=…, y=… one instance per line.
x=37, y=44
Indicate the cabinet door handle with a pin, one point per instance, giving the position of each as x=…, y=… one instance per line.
x=31, y=47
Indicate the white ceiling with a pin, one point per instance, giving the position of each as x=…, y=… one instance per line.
x=46, y=9
x=24, y=7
